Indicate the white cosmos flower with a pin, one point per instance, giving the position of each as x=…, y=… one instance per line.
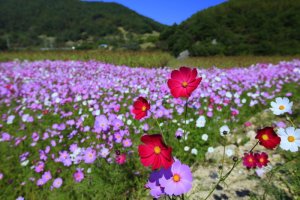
x=10, y=119
x=194, y=151
x=129, y=122
x=186, y=148
x=24, y=163
x=210, y=150
x=290, y=138
x=224, y=129
x=229, y=152
x=204, y=137
x=281, y=105
x=200, y=122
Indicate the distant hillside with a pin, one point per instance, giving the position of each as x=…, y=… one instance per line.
x=238, y=27
x=60, y=22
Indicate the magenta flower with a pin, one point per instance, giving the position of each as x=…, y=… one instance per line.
x=57, y=182
x=180, y=182
x=78, y=175
x=39, y=167
x=121, y=159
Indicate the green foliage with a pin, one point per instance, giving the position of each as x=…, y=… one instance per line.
x=68, y=20
x=239, y=27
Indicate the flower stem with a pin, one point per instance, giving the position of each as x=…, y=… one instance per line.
x=185, y=116
x=223, y=159
x=272, y=173
x=290, y=120
x=254, y=147
x=223, y=178
x=162, y=133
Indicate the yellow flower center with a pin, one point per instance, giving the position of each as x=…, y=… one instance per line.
x=176, y=178
x=291, y=138
x=157, y=150
x=184, y=84
x=261, y=160
x=144, y=108
x=265, y=137
x=250, y=160
x=281, y=107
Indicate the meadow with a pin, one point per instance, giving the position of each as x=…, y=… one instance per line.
x=65, y=121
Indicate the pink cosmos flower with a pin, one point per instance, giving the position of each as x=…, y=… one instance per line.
x=121, y=159
x=57, y=182
x=78, y=175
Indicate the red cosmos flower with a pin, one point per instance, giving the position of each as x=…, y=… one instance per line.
x=154, y=152
x=261, y=159
x=268, y=138
x=249, y=160
x=121, y=159
x=140, y=108
x=183, y=82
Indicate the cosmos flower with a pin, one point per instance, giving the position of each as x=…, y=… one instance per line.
x=210, y=150
x=78, y=175
x=224, y=130
x=281, y=106
x=10, y=119
x=127, y=142
x=290, y=138
x=89, y=155
x=46, y=176
x=204, y=137
x=194, y=151
x=186, y=148
x=249, y=160
x=268, y=138
x=57, y=182
x=154, y=152
x=183, y=82
x=101, y=123
x=229, y=152
x=153, y=183
x=39, y=167
x=140, y=108
x=261, y=159
x=180, y=181
x=200, y=122
x=121, y=159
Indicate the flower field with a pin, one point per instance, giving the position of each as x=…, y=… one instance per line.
x=73, y=129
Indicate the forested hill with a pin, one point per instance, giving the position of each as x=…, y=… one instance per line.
x=238, y=27
x=29, y=22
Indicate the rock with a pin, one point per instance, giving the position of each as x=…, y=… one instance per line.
x=183, y=55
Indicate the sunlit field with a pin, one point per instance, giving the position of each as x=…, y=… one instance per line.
x=149, y=59
x=67, y=129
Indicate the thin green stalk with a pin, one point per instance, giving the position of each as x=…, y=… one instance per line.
x=223, y=159
x=290, y=120
x=272, y=173
x=185, y=116
x=223, y=178
x=162, y=133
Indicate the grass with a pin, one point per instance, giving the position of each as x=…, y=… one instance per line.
x=144, y=58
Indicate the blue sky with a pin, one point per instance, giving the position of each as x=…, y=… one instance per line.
x=167, y=11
